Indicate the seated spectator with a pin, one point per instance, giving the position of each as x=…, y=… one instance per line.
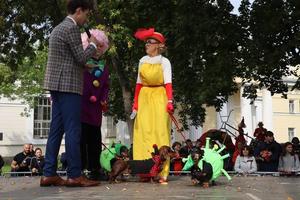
x=186, y=150
x=296, y=146
x=32, y=152
x=21, y=160
x=288, y=161
x=198, y=144
x=176, y=163
x=245, y=162
x=37, y=162
x=260, y=132
x=238, y=150
x=267, y=153
x=1, y=163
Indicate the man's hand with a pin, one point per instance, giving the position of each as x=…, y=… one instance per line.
x=95, y=41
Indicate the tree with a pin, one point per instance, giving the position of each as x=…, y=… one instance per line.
x=208, y=46
x=271, y=43
x=30, y=75
x=22, y=24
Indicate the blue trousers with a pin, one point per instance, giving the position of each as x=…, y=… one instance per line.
x=66, y=108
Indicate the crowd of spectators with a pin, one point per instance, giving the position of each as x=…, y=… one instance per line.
x=263, y=154
x=29, y=161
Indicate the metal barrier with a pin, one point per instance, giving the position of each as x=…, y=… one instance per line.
x=64, y=173
x=235, y=173
x=19, y=174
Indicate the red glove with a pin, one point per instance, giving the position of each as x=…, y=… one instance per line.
x=170, y=108
x=169, y=91
x=138, y=88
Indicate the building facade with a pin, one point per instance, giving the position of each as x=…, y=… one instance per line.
x=20, y=125
x=278, y=115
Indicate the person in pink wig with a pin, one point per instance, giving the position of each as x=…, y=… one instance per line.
x=94, y=102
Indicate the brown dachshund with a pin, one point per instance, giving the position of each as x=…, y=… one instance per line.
x=146, y=169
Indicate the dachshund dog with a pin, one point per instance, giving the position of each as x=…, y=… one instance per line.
x=200, y=176
x=146, y=169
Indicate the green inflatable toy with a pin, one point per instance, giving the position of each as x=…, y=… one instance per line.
x=211, y=156
x=108, y=154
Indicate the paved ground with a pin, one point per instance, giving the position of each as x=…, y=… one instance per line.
x=179, y=187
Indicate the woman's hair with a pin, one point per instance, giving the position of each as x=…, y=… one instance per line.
x=72, y=5
x=99, y=35
x=247, y=148
x=36, y=149
x=284, y=152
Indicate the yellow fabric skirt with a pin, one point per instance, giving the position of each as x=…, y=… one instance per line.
x=152, y=124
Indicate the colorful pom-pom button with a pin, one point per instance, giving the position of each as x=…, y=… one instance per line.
x=96, y=83
x=93, y=99
x=97, y=73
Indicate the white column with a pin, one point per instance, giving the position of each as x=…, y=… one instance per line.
x=267, y=113
x=246, y=112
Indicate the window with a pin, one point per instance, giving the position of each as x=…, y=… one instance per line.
x=42, y=113
x=291, y=106
x=291, y=132
x=1, y=136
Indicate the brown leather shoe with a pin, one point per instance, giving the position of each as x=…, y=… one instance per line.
x=81, y=182
x=52, y=181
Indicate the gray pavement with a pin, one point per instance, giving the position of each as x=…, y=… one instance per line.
x=179, y=187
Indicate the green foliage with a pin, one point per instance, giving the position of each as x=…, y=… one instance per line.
x=208, y=47
x=26, y=81
x=22, y=24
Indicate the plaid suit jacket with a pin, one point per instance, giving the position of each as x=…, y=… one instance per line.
x=66, y=59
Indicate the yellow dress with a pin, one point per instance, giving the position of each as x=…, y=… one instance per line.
x=152, y=123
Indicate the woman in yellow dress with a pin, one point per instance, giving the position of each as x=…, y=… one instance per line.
x=153, y=100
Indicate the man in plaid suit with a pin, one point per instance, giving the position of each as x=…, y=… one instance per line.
x=63, y=78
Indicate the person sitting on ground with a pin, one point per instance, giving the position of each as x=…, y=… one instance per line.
x=267, y=154
x=37, y=162
x=245, y=162
x=296, y=146
x=288, y=161
x=19, y=162
x=260, y=132
x=176, y=162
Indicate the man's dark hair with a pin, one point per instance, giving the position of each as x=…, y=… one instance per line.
x=72, y=5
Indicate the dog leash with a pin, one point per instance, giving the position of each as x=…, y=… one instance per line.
x=177, y=126
x=107, y=148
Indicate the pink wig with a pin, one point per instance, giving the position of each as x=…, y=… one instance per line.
x=99, y=35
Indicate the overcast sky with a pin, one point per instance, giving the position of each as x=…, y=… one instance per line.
x=236, y=4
